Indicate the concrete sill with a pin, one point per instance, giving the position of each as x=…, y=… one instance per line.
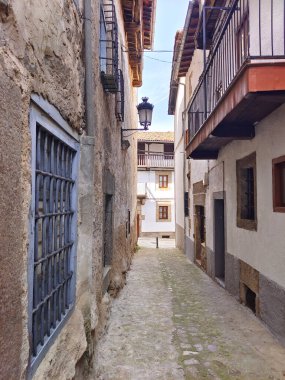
x=106, y=278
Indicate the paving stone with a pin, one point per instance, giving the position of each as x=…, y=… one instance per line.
x=172, y=322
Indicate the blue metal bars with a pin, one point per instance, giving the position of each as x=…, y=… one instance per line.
x=53, y=242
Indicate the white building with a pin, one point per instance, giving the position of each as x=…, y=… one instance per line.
x=155, y=210
x=228, y=93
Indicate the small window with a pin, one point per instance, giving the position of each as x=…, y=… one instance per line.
x=246, y=192
x=278, y=170
x=163, y=181
x=186, y=203
x=163, y=212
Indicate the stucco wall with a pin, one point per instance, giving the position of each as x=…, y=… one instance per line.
x=268, y=241
x=261, y=20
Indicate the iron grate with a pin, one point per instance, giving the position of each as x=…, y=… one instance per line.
x=53, y=243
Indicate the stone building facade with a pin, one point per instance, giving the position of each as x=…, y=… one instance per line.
x=67, y=174
x=227, y=94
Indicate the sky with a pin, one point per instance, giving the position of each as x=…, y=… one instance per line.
x=170, y=17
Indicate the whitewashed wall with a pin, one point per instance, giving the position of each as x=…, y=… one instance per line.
x=154, y=195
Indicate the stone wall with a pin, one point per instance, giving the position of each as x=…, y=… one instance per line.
x=41, y=51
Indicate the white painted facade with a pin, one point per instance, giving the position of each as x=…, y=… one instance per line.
x=154, y=196
x=150, y=195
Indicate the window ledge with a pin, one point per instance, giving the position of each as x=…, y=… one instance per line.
x=279, y=209
x=247, y=224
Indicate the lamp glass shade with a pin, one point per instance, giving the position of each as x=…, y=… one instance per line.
x=145, y=112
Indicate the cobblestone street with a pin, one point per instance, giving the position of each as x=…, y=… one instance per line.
x=173, y=322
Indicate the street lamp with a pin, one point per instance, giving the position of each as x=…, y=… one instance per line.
x=145, y=113
x=145, y=116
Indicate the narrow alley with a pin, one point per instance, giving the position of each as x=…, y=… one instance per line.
x=171, y=321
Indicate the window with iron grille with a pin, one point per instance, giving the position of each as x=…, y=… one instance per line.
x=163, y=212
x=246, y=192
x=278, y=171
x=109, y=57
x=163, y=181
x=55, y=156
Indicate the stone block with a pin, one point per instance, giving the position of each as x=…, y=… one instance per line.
x=189, y=248
x=232, y=275
x=272, y=306
x=210, y=263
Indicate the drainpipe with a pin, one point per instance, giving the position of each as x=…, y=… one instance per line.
x=184, y=156
x=89, y=87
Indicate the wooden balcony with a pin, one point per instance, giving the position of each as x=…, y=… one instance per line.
x=156, y=160
x=243, y=80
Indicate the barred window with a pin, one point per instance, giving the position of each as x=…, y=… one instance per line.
x=54, y=226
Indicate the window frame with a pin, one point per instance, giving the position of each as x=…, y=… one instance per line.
x=169, y=211
x=47, y=116
x=278, y=206
x=163, y=212
x=161, y=183
x=241, y=164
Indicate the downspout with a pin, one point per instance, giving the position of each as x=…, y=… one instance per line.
x=89, y=87
x=184, y=165
x=184, y=157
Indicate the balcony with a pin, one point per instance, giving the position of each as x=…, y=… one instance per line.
x=243, y=80
x=156, y=160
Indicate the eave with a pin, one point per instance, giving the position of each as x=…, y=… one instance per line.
x=184, y=48
x=212, y=17
x=139, y=18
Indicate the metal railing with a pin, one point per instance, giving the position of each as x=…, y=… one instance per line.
x=163, y=160
x=252, y=30
x=109, y=46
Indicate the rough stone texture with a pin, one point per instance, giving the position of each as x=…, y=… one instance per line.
x=189, y=248
x=11, y=222
x=41, y=51
x=272, y=306
x=165, y=326
x=69, y=346
x=232, y=274
x=210, y=263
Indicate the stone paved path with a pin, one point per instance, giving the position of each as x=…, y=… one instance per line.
x=172, y=322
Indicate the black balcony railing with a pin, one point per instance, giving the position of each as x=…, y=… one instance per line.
x=252, y=30
x=109, y=46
